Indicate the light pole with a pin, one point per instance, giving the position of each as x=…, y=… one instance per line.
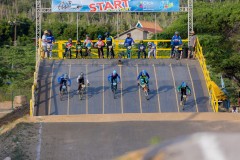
x=77, y=28
x=14, y=23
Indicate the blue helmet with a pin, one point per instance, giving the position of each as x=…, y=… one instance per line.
x=114, y=72
x=99, y=36
x=184, y=84
x=144, y=73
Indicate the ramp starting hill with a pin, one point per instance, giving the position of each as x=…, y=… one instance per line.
x=165, y=76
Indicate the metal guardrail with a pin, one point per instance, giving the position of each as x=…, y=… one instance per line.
x=209, y=82
x=118, y=47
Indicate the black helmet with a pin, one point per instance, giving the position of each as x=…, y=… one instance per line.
x=107, y=34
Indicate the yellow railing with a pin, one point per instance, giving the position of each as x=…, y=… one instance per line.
x=118, y=47
x=35, y=76
x=209, y=82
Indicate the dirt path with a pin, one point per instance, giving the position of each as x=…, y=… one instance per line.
x=6, y=107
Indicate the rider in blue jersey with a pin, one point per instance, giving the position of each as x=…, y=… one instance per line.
x=128, y=44
x=176, y=41
x=64, y=80
x=50, y=41
x=128, y=41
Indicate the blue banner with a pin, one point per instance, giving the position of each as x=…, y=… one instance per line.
x=115, y=5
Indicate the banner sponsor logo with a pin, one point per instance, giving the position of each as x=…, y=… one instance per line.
x=115, y=5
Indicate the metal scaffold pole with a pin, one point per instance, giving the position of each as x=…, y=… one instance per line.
x=38, y=24
x=77, y=28
x=190, y=18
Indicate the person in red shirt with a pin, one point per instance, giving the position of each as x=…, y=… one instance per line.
x=68, y=48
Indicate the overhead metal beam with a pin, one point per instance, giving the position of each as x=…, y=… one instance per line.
x=46, y=10
x=183, y=9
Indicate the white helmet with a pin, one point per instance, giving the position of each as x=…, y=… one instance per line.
x=65, y=76
x=81, y=75
x=149, y=43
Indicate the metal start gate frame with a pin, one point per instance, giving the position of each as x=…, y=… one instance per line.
x=40, y=10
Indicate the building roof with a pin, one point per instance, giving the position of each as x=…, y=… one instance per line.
x=145, y=26
x=127, y=31
x=149, y=26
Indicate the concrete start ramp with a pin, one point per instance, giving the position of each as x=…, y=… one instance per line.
x=165, y=76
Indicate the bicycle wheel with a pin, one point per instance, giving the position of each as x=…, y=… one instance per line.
x=61, y=95
x=146, y=94
x=89, y=54
x=176, y=54
x=69, y=55
x=184, y=101
x=81, y=95
x=114, y=93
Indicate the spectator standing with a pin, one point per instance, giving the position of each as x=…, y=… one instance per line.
x=50, y=42
x=44, y=43
x=192, y=45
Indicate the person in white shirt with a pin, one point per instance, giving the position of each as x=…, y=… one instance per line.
x=44, y=42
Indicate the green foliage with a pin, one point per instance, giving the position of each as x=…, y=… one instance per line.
x=231, y=66
x=17, y=66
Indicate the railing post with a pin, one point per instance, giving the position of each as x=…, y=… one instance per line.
x=32, y=102
x=60, y=49
x=155, y=42
x=116, y=47
x=30, y=109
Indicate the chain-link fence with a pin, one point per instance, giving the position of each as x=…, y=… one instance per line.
x=8, y=96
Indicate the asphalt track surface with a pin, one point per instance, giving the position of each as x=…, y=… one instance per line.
x=104, y=137
x=165, y=76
